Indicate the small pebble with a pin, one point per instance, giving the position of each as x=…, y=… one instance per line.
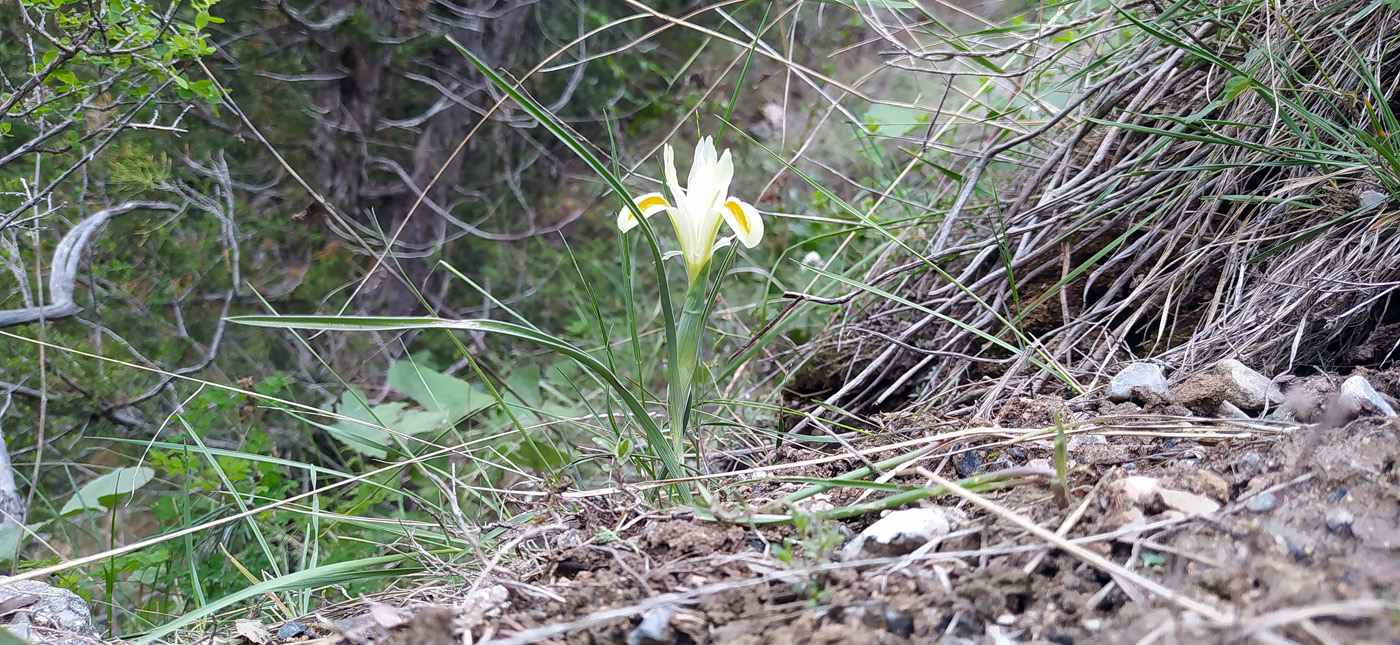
x=1139, y=490
x=1080, y=440
x=1229, y=410
x=1188, y=503
x=1252, y=458
x=898, y=624
x=571, y=538
x=290, y=629
x=970, y=463
x=1372, y=198
x=898, y=533
x=1137, y=375
x=1339, y=518
x=1299, y=545
x=1210, y=484
x=1262, y=503
x=1130, y=521
x=655, y=628
x=1246, y=388
x=1357, y=397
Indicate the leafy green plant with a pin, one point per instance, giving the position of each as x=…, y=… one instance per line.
x=816, y=542
x=696, y=211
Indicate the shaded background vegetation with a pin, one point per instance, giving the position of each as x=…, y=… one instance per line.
x=296, y=140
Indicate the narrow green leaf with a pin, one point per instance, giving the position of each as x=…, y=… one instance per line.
x=339, y=573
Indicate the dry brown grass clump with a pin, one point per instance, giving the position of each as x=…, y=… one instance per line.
x=1220, y=182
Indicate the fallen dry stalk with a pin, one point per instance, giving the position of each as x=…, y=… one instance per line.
x=1093, y=559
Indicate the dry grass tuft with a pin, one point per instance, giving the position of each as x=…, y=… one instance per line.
x=1220, y=184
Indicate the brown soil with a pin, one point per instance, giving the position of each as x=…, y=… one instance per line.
x=1306, y=548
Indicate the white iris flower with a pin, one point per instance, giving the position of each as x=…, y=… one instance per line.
x=700, y=207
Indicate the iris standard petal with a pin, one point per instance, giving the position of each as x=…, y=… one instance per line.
x=650, y=204
x=701, y=164
x=704, y=178
x=668, y=156
x=744, y=220
x=725, y=175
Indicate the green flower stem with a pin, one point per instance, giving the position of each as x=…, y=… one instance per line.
x=977, y=484
x=980, y=483
x=858, y=474
x=688, y=332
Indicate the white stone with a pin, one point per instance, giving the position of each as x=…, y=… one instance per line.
x=1139, y=489
x=252, y=631
x=1371, y=199
x=655, y=628
x=1080, y=440
x=1356, y=396
x=1339, y=518
x=1188, y=503
x=1247, y=388
x=1131, y=521
x=1229, y=410
x=775, y=115
x=1136, y=375
x=898, y=533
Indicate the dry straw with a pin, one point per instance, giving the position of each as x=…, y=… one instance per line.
x=1219, y=184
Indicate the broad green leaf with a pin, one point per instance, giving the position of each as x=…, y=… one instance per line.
x=1236, y=86
x=365, y=438
x=12, y=536
x=656, y=439
x=101, y=493
x=450, y=398
x=66, y=77
x=368, y=438
x=525, y=384
x=893, y=121
x=541, y=457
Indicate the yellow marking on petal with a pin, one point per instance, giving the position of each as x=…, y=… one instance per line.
x=738, y=213
x=648, y=202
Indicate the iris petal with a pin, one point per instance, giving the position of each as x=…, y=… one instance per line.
x=745, y=221
x=700, y=206
x=650, y=204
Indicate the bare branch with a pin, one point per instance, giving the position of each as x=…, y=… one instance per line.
x=65, y=266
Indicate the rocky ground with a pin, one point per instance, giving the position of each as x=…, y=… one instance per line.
x=1226, y=507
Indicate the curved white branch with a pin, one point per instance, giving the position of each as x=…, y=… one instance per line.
x=65, y=266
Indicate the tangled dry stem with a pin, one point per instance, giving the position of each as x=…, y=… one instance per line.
x=1126, y=241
